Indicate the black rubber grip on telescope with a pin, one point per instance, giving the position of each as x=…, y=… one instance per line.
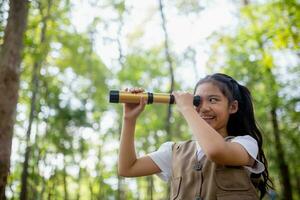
x=150, y=98
x=114, y=96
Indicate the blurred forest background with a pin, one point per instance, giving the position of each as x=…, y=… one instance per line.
x=66, y=135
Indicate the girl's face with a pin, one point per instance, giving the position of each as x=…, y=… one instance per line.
x=215, y=108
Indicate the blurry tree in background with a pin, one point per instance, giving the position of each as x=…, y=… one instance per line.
x=10, y=59
x=66, y=134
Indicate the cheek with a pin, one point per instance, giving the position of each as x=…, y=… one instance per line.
x=222, y=113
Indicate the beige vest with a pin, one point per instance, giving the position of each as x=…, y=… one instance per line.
x=205, y=180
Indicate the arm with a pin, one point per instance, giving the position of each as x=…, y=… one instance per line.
x=129, y=165
x=212, y=142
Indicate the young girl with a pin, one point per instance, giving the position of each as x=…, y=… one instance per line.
x=222, y=159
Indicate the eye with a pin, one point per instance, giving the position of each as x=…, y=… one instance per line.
x=213, y=100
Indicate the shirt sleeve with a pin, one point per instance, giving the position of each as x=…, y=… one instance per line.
x=163, y=159
x=250, y=145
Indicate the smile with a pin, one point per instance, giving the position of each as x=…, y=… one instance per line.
x=207, y=117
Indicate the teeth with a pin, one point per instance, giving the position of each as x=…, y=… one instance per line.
x=207, y=117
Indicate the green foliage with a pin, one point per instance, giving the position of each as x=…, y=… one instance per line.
x=75, y=132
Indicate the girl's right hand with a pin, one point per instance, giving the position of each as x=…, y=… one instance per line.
x=133, y=110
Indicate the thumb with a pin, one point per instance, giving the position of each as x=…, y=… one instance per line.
x=143, y=103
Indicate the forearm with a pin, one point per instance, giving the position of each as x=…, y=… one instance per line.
x=209, y=139
x=127, y=154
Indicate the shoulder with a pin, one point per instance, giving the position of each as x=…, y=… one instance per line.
x=245, y=138
x=162, y=157
x=166, y=146
x=249, y=143
x=164, y=150
x=251, y=146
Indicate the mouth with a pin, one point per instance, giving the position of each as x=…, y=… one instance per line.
x=208, y=118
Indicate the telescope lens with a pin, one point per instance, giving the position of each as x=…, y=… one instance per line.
x=197, y=100
x=114, y=96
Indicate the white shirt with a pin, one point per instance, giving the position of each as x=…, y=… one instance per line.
x=163, y=156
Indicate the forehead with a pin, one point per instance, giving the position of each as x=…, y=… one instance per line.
x=207, y=89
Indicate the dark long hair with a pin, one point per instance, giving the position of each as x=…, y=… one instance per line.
x=243, y=121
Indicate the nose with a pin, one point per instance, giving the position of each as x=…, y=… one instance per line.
x=203, y=107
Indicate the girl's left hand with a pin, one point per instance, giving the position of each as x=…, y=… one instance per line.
x=183, y=100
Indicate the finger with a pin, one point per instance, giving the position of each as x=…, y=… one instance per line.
x=132, y=90
x=143, y=100
x=142, y=104
x=141, y=89
x=136, y=90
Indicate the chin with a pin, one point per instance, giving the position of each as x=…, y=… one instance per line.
x=211, y=123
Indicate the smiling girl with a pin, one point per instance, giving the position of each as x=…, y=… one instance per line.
x=225, y=159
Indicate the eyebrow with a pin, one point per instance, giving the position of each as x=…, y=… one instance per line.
x=214, y=95
x=211, y=95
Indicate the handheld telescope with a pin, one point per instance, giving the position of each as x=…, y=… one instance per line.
x=116, y=96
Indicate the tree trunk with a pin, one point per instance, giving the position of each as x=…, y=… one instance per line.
x=172, y=82
x=10, y=59
x=23, y=195
x=246, y=2
x=100, y=174
x=35, y=85
x=121, y=192
x=285, y=180
x=43, y=189
x=170, y=65
x=52, y=186
x=283, y=167
x=91, y=190
x=138, y=189
x=150, y=187
x=79, y=183
x=296, y=183
x=66, y=194
x=37, y=179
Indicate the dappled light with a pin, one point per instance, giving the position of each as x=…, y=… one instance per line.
x=66, y=68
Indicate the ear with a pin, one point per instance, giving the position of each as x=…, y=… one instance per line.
x=234, y=106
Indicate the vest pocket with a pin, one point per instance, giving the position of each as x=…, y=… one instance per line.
x=232, y=179
x=175, y=187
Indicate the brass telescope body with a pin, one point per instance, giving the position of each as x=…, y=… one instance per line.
x=126, y=97
x=116, y=96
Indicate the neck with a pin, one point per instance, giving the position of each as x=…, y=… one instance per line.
x=223, y=132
